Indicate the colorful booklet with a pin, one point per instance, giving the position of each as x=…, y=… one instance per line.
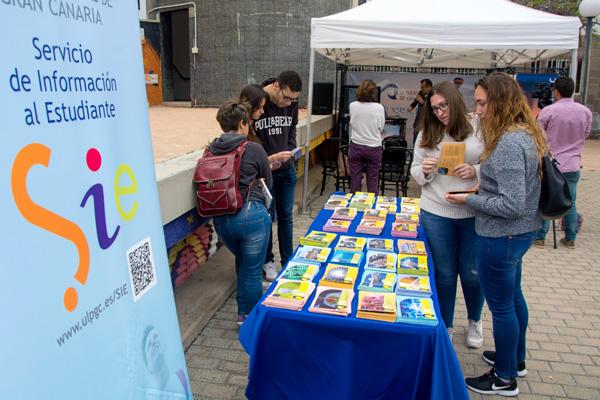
x=387, y=200
x=415, y=201
x=381, y=261
x=376, y=281
x=390, y=208
x=361, y=203
x=341, y=196
x=332, y=204
x=411, y=264
x=291, y=295
x=351, y=243
x=299, y=271
x=411, y=285
x=415, y=310
x=312, y=254
x=380, y=244
x=347, y=213
x=374, y=215
x=411, y=247
x=410, y=209
x=337, y=225
x=370, y=227
x=377, y=306
x=333, y=301
x=319, y=239
x=404, y=230
x=341, y=276
x=403, y=218
x=368, y=195
x=347, y=257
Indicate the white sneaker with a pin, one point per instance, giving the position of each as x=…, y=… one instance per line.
x=270, y=271
x=475, y=334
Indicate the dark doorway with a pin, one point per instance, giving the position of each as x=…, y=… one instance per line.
x=175, y=29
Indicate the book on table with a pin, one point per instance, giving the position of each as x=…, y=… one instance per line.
x=381, y=261
x=362, y=195
x=389, y=208
x=387, y=200
x=333, y=301
x=377, y=306
x=379, y=244
x=291, y=295
x=312, y=254
x=346, y=213
x=318, y=239
x=404, y=218
x=362, y=203
x=415, y=201
x=352, y=243
x=337, y=225
x=376, y=281
x=415, y=310
x=299, y=271
x=342, y=276
x=412, y=264
x=412, y=247
x=332, y=204
x=374, y=215
x=404, y=230
x=410, y=209
x=370, y=227
x=341, y=196
x=347, y=257
x=413, y=285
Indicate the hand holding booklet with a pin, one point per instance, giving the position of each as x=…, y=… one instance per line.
x=452, y=154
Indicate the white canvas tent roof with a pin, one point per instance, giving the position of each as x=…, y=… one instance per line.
x=443, y=33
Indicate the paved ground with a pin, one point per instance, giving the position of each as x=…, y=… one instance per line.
x=562, y=288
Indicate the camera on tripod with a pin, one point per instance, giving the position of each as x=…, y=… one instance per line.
x=544, y=94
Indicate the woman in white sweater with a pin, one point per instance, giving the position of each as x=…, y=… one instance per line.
x=367, y=118
x=450, y=228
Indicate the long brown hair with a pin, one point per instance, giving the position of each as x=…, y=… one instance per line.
x=367, y=92
x=507, y=111
x=458, y=127
x=252, y=95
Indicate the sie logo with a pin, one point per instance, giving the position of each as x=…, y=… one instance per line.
x=38, y=154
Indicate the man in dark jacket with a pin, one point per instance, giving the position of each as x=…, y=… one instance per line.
x=276, y=129
x=419, y=103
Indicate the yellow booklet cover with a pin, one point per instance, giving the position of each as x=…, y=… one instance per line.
x=337, y=275
x=351, y=243
x=411, y=247
x=390, y=208
x=364, y=194
x=411, y=264
x=318, y=238
x=415, y=201
x=375, y=214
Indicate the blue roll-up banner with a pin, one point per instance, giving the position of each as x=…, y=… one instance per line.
x=86, y=298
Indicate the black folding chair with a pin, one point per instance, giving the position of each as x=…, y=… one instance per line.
x=395, y=169
x=328, y=153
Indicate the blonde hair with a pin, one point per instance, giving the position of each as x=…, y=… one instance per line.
x=507, y=111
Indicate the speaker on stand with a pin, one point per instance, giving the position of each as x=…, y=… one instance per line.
x=322, y=98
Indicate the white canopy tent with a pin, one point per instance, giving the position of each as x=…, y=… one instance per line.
x=439, y=33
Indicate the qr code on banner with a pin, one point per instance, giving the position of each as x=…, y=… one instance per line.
x=141, y=268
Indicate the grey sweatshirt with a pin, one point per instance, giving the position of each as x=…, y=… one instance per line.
x=509, y=189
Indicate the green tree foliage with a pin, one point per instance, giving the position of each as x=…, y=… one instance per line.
x=560, y=7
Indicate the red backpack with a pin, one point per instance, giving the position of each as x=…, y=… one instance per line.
x=217, y=178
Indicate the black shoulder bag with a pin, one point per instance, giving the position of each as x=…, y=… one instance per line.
x=555, y=198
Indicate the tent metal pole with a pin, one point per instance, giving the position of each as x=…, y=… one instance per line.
x=573, y=67
x=311, y=77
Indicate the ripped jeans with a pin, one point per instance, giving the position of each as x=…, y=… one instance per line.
x=452, y=245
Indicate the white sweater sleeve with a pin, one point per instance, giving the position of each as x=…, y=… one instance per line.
x=416, y=170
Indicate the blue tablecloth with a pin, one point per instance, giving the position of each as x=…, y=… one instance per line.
x=310, y=356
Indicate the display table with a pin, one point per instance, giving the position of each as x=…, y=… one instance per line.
x=309, y=356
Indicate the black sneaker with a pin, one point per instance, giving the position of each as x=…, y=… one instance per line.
x=490, y=383
x=490, y=358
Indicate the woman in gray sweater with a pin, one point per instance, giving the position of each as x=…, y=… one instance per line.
x=506, y=218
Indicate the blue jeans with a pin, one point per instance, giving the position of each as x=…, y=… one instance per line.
x=499, y=262
x=452, y=244
x=282, y=208
x=571, y=217
x=245, y=235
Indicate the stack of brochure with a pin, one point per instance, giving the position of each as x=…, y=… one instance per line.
x=415, y=201
x=404, y=218
x=344, y=213
x=351, y=243
x=389, y=208
x=404, y=230
x=415, y=310
x=377, y=306
x=361, y=203
x=412, y=285
x=412, y=264
x=299, y=271
x=334, y=301
x=387, y=200
x=312, y=254
x=374, y=215
x=380, y=244
x=375, y=281
x=381, y=261
x=319, y=239
x=411, y=247
x=337, y=225
x=337, y=200
x=370, y=227
x=410, y=209
x=340, y=276
x=291, y=295
x=347, y=257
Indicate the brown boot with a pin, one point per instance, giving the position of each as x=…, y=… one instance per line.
x=569, y=244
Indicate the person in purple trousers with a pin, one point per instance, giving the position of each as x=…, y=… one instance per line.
x=367, y=118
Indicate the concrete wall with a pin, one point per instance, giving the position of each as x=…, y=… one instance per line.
x=594, y=85
x=242, y=42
